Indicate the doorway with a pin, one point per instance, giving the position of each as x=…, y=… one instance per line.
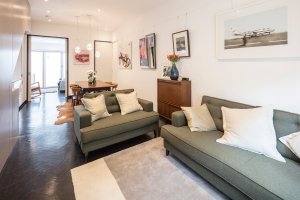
x=48, y=65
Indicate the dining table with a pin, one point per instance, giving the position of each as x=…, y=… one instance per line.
x=96, y=87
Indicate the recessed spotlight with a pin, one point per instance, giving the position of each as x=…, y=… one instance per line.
x=49, y=20
x=98, y=10
x=48, y=11
x=46, y=0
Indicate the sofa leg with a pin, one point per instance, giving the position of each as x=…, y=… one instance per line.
x=156, y=132
x=86, y=155
x=167, y=152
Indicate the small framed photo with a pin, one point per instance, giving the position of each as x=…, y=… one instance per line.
x=166, y=72
x=181, y=43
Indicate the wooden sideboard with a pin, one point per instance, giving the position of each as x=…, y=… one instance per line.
x=171, y=95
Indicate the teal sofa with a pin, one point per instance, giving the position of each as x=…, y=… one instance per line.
x=238, y=173
x=116, y=128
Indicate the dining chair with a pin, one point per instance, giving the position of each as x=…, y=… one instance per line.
x=114, y=85
x=35, y=89
x=77, y=93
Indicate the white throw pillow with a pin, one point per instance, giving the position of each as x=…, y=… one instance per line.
x=199, y=118
x=292, y=141
x=251, y=129
x=96, y=106
x=128, y=103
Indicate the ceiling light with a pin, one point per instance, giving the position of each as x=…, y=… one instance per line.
x=99, y=10
x=48, y=11
x=46, y=0
x=89, y=45
x=49, y=20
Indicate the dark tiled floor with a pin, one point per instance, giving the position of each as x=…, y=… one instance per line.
x=39, y=166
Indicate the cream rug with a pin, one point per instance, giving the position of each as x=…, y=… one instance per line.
x=95, y=181
x=142, y=172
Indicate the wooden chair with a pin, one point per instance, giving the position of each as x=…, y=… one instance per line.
x=76, y=94
x=35, y=89
x=114, y=85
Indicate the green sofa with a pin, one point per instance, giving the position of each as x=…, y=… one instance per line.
x=116, y=128
x=238, y=173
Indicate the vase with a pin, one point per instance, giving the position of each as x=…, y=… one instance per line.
x=174, y=72
x=91, y=81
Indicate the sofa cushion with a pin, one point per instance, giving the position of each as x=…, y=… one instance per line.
x=111, y=101
x=255, y=175
x=117, y=124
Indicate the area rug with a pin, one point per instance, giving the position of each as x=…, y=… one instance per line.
x=143, y=172
x=65, y=113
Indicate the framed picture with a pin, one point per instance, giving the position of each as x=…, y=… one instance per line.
x=166, y=72
x=151, y=50
x=125, y=52
x=181, y=43
x=257, y=31
x=82, y=58
x=143, y=53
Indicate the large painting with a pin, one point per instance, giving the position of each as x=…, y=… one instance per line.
x=125, y=59
x=258, y=29
x=143, y=53
x=263, y=30
x=151, y=50
x=82, y=58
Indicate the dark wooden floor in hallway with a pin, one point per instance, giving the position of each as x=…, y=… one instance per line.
x=39, y=166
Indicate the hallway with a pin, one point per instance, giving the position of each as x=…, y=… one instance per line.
x=39, y=166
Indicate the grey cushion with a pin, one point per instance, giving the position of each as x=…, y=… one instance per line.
x=285, y=123
x=117, y=124
x=111, y=101
x=256, y=175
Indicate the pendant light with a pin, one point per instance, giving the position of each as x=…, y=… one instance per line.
x=89, y=45
x=77, y=48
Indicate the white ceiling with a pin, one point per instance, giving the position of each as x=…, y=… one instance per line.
x=113, y=12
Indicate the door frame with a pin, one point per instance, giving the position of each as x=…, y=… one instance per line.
x=104, y=41
x=67, y=61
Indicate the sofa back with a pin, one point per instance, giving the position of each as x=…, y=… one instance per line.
x=111, y=100
x=285, y=123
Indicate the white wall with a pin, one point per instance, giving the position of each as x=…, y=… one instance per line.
x=76, y=72
x=257, y=81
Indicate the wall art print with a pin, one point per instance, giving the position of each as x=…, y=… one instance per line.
x=262, y=30
x=151, y=50
x=259, y=29
x=181, y=43
x=143, y=53
x=125, y=55
x=82, y=58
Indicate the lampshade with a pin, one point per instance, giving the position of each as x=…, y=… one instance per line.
x=89, y=46
x=77, y=49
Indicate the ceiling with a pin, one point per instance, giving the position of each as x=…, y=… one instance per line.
x=113, y=12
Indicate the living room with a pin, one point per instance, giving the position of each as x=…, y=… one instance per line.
x=263, y=75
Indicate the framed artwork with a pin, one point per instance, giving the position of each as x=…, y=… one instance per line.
x=181, y=43
x=125, y=55
x=143, y=53
x=82, y=58
x=258, y=31
x=166, y=72
x=151, y=50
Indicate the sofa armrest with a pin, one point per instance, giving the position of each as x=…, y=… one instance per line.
x=147, y=105
x=178, y=119
x=82, y=117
